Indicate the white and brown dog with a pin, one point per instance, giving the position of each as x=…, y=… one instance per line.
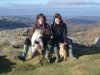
x=36, y=41
x=63, y=52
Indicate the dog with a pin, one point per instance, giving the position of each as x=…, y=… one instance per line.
x=36, y=41
x=63, y=52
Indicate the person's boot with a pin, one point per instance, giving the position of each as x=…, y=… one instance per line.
x=48, y=49
x=56, y=51
x=23, y=55
x=71, y=56
x=47, y=55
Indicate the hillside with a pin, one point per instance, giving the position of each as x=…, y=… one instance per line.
x=83, y=36
x=88, y=36
x=84, y=20
x=13, y=22
x=87, y=62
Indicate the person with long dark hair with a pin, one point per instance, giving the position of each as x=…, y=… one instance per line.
x=59, y=30
x=39, y=24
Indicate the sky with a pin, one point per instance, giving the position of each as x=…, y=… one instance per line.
x=3, y=2
x=49, y=7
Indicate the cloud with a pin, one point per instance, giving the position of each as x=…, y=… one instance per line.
x=73, y=8
x=22, y=6
x=21, y=9
x=74, y=2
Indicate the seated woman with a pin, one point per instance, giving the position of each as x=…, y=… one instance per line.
x=40, y=24
x=59, y=30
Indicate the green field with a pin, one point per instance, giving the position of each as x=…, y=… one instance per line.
x=88, y=63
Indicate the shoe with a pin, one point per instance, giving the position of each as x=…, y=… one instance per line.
x=72, y=58
x=21, y=58
x=47, y=59
x=56, y=61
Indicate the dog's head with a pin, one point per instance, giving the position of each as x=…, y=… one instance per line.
x=62, y=45
x=38, y=33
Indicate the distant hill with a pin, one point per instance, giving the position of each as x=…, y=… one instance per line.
x=83, y=20
x=13, y=22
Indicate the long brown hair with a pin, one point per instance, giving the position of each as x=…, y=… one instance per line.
x=57, y=15
x=40, y=15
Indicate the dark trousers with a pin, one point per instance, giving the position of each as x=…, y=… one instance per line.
x=27, y=42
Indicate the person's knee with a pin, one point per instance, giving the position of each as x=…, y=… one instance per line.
x=69, y=41
x=27, y=42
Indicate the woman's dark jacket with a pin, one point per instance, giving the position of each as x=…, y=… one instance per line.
x=59, y=33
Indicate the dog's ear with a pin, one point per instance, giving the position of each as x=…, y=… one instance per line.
x=59, y=44
x=36, y=30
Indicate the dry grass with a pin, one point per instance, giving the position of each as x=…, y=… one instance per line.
x=86, y=64
x=88, y=37
x=4, y=45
